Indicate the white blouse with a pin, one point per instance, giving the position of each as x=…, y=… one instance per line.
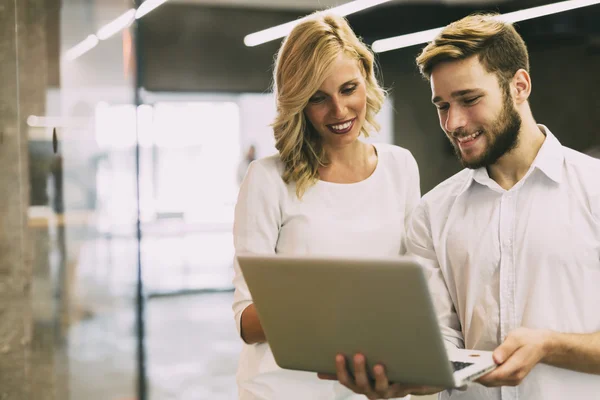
x=364, y=218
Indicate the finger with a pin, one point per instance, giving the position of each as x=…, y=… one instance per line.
x=520, y=363
x=506, y=349
x=424, y=390
x=497, y=377
x=327, y=377
x=382, y=385
x=342, y=373
x=512, y=371
x=397, y=390
x=488, y=379
x=361, y=377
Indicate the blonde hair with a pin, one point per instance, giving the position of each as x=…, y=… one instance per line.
x=497, y=44
x=303, y=61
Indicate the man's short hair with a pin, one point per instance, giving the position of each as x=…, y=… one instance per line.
x=497, y=44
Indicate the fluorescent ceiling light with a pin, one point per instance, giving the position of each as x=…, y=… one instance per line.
x=117, y=25
x=35, y=121
x=81, y=48
x=148, y=6
x=279, y=31
x=548, y=9
x=397, y=42
x=112, y=28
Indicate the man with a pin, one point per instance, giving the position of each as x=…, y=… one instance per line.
x=511, y=243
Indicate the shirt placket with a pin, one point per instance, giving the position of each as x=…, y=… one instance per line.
x=507, y=276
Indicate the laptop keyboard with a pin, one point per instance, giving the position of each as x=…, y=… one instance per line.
x=457, y=365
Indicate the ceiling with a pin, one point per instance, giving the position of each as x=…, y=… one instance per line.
x=310, y=5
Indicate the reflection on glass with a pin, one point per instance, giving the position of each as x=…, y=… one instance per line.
x=69, y=217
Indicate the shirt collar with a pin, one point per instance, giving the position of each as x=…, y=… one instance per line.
x=550, y=158
x=549, y=161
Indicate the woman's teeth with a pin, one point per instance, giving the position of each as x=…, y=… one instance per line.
x=341, y=127
x=470, y=137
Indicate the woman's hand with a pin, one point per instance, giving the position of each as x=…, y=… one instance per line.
x=381, y=388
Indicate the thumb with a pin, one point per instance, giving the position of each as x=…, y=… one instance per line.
x=505, y=350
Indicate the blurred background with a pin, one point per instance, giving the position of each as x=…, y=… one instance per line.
x=122, y=145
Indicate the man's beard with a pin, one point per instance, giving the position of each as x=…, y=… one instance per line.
x=503, y=136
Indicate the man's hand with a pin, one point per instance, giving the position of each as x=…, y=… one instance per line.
x=522, y=350
x=362, y=384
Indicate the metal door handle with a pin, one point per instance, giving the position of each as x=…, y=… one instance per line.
x=54, y=140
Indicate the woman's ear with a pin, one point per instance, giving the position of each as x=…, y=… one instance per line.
x=522, y=85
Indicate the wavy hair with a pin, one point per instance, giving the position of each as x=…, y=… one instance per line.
x=302, y=64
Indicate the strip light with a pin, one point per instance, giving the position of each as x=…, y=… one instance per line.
x=112, y=28
x=81, y=48
x=398, y=42
x=35, y=121
x=279, y=31
x=148, y=6
x=117, y=25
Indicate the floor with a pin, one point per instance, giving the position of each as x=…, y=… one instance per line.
x=191, y=342
x=192, y=349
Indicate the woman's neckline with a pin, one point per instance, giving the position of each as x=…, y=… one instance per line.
x=368, y=178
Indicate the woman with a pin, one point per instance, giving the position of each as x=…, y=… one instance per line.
x=326, y=192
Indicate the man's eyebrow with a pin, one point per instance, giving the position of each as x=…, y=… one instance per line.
x=455, y=94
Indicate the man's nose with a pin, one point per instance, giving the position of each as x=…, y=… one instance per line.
x=455, y=120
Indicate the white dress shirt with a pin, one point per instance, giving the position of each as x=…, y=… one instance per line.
x=525, y=257
x=364, y=218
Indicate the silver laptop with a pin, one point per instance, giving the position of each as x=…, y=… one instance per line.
x=312, y=308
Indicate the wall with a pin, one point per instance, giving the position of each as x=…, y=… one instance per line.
x=203, y=50
x=207, y=44
x=31, y=342
x=15, y=266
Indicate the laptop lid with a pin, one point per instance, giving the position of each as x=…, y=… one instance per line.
x=312, y=308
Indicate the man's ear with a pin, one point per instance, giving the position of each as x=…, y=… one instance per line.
x=521, y=85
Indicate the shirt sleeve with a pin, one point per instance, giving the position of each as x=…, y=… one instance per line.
x=255, y=229
x=420, y=245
